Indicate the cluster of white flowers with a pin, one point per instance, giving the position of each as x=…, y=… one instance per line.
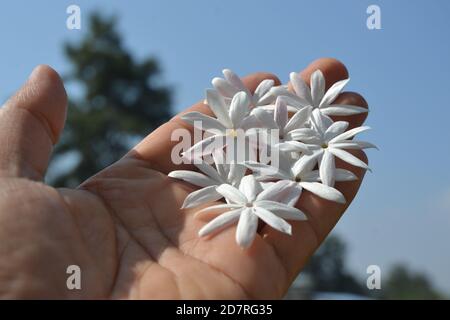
x=308, y=142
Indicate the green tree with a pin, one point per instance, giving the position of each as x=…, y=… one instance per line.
x=403, y=283
x=328, y=272
x=121, y=101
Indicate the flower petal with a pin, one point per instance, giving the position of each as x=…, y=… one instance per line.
x=237, y=172
x=219, y=161
x=299, y=119
x=327, y=169
x=224, y=87
x=266, y=170
x=281, y=113
x=306, y=163
x=239, y=108
x=250, y=187
x=200, y=149
x=218, y=106
x=333, y=92
x=320, y=121
x=293, y=146
x=218, y=207
x=304, y=134
x=247, y=227
x=265, y=118
x=349, y=134
x=342, y=110
x=195, y=178
x=276, y=190
x=345, y=175
x=324, y=191
x=232, y=194
x=353, y=144
x=301, y=88
x=272, y=220
x=201, y=196
x=317, y=87
x=335, y=129
x=220, y=222
x=210, y=172
x=203, y=122
x=262, y=89
x=234, y=80
x=349, y=158
x=283, y=211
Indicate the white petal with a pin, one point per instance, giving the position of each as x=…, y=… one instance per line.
x=306, y=163
x=320, y=121
x=247, y=227
x=234, y=80
x=219, y=161
x=348, y=157
x=224, y=87
x=281, y=113
x=342, y=110
x=333, y=92
x=288, y=195
x=200, y=148
x=265, y=170
x=312, y=176
x=300, y=87
x=317, y=86
x=222, y=221
x=263, y=88
x=299, y=119
x=335, y=129
x=304, y=134
x=283, y=211
x=324, y=191
x=327, y=169
x=349, y=134
x=218, y=106
x=210, y=172
x=203, y=122
x=276, y=190
x=239, y=108
x=232, y=194
x=216, y=207
x=265, y=118
x=250, y=187
x=195, y=178
x=202, y=196
x=293, y=146
x=345, y=175
x=237, y=172
x=272, y=220
x=353, y=144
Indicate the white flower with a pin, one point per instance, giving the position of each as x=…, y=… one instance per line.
x=316, y=96
x=229, y=122
x=300, y=171
x=279, y=119
x=327, y=140
x=232, y=84
x=248, y=204
x=209, y=178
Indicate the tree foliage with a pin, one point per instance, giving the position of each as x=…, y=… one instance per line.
x=121, y=100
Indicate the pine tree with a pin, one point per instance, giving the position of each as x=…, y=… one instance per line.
x=120, y=103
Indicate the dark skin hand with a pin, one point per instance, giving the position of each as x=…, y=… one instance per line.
x=123, y=226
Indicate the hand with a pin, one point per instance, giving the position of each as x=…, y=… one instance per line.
x=123, y=226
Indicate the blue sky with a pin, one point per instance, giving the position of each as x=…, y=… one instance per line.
x=402, y=213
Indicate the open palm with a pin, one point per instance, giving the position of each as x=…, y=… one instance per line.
x=123, y=227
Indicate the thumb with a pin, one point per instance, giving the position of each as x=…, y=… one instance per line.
x=30, y=124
